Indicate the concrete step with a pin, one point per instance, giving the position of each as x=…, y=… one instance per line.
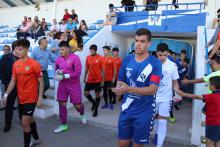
x=44, y=111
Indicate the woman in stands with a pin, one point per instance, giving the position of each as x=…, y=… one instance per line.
x=37, y=30
x=83, y=28
x=111, y=17
x=76, y=41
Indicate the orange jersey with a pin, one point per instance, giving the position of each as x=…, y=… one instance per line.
x=108, y=67
x=26, y=74
x=94, y=66
x=117, y=65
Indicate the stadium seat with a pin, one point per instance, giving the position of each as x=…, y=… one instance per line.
x=100, y=22
x=92, y=34
x=92, y=27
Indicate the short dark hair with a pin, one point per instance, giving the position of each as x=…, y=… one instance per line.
x=24, y=43
x=39, y=41
x=64, y=44
x=143, y=31
x=218, y=11
x=216, y=58
x=170, y=51
x=93, y=47
x=162, y=47
x=13, y=45
x=115, y=49
x=106, y=47
x=183, y=51
x=215, y=81
x=186, y=60
x=110, y=5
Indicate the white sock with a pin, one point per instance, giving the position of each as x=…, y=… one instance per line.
x=162, y=130
x=155, y=126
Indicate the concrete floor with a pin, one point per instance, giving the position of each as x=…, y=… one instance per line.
x=99, y=132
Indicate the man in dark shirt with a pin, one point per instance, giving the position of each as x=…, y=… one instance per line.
x=6, y=64
x=74, y=16
x=129, y=5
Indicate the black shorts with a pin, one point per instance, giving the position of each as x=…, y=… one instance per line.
x=212, y=133
x=108, y=84
x=93, y=86
x=26, y=109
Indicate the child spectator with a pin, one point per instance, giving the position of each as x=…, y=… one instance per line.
x=212, y=102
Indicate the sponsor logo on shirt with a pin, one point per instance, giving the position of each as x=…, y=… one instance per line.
x=128, y=72
x=145, y=73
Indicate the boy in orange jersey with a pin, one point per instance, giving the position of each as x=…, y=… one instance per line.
x=27, y=77
x=108, y=69
x=117, y=65
x=93, y=78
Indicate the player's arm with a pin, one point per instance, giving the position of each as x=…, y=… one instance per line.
x=150, y=90
x=85, y=75
x=115, y=72
x=41, y=86
x=11, y=86
x=215, y=48
x=186, y=81
x=192, y=96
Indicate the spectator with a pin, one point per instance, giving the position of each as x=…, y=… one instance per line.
x=6, y=50
x=74, y=16
x=129, y=5
x=37, y=31
x=175, y=4
x=44, y=24
x=111, y=17
x=216, y=20
x=6, y=64
x=36, y=19
x=63, y=26
x=25, y=19
x=83, y=28
x=151, y=5
x=214, y=37
x=29, y=22
x=43, y=56
x=66, y=16
x=55, y=27
x=76, y=42
x=23, y=31
x=71, y=25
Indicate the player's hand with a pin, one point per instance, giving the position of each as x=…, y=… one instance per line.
x=185, y=81
x=102, y=84
x=121, y=88
x=39, y=102
x=58, y=77
x=4, y=101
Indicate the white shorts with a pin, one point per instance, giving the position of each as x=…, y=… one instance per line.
x=163, y=108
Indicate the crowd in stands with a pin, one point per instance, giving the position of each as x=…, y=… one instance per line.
x=68, y=29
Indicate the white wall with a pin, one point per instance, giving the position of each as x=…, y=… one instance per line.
x=90, y=10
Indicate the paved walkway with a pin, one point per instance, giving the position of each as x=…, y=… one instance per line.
x=78, y=136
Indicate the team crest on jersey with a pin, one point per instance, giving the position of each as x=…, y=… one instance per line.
x=145, y=73
x=132, y=83
x=27, y=68
x=96, y=61
x=41, y=73
x=128, y=72
x=68, y=61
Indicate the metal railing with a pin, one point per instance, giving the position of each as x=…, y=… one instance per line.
x=139, y=8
